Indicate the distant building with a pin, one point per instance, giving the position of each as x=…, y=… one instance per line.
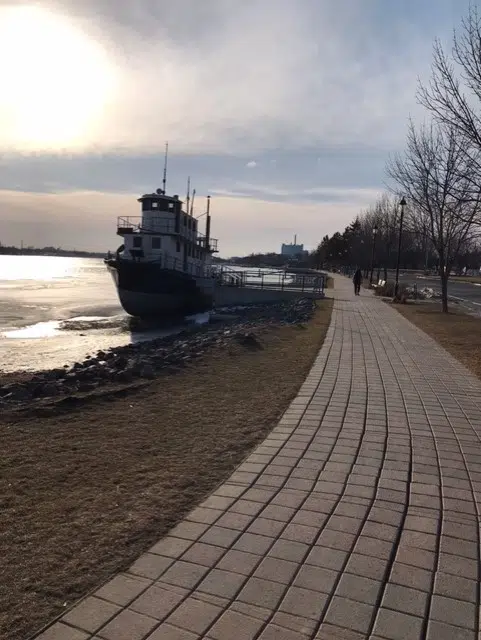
x=292, y=249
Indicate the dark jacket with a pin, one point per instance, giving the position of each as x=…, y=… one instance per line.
x=357, y=277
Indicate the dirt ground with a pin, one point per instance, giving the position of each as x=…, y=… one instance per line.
x=85, y=490
x=458, y=333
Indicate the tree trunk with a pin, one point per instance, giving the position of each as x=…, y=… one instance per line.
x=385, y=273
x=444, y=289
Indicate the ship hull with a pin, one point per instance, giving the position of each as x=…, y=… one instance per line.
x=146, y=290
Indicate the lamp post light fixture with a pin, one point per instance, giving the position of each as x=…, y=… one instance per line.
x=374, y=235
x=402, y=204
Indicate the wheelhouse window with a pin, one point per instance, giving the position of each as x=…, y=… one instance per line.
x=156, y=243
x=137, y=242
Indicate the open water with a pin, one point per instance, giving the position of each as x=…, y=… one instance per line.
x=55, y=311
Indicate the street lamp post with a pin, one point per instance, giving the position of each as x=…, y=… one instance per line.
x=374, y=235
x=402, y=204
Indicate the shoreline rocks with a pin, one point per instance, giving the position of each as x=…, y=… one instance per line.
x=145, y=360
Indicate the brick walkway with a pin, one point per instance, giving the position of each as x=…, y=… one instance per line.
x=356, y=518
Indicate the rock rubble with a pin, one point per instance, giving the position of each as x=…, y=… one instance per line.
x=145, y=360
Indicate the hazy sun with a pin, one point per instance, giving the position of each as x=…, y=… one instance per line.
x=54, y=80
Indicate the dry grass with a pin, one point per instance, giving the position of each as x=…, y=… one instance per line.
x=458, y=333
x=84, y=491
x=469, y=279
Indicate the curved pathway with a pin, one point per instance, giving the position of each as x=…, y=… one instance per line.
x=357, y=517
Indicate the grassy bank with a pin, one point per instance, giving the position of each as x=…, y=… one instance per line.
x=85, y=490
x=458, y=333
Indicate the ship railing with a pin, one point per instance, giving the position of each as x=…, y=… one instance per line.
x=202, y=242
x=135, y=224
x=166, y=261
x=312, y=283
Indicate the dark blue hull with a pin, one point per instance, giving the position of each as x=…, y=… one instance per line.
x=146, y=290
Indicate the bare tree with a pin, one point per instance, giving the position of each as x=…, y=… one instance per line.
x=436, y=176
x=453, y=94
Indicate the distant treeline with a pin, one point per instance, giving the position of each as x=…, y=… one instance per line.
x=48, y=251
x=267, y=260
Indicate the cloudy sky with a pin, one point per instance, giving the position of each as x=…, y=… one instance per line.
x=285, y=111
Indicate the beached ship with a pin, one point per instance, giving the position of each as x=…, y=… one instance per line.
x=164, y=266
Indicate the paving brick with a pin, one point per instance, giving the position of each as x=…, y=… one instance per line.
x=395, y=625
x=128, y=625
x=421, y=558
x=239, y=562
x=220, y=536
x=122, y=589
x=235, y=625
x=458, y=566
x=405, y=599
x=157, y=602
x=326, y=557
x=289, y=550
x=455, y=612
x=359, y=588
x=206, y=516
x=333, y=632
x=310, y=518
x=277, y=570
x=300, y=533
x=253, y=543
x=194, y=616
x=60, y=631
x=264, y=593
x=168, y=632
x=315, y=578
x=455, y=587
x=266, y=527
x=277, y=512
x=366, y=566
x=233, y=520
x=336, y=540
x=204, y=554
x=184, y=574
x=304, y=602
x=419, y=540
x=222, y=583
x=187, y=530
x=294, y=623
x=90, y=614
x=273, y=632
x=171, y=547
x=150, y=565
x=442, y=631
x=410, y=576
x=349, y=613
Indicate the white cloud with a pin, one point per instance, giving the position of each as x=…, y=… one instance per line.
x=231, y=77
x=251, y=164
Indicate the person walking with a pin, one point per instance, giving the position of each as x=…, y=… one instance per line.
x=357, y=282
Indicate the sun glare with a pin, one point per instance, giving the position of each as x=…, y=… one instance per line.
x=55, y=82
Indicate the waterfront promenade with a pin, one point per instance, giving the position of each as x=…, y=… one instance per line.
x=357, y=517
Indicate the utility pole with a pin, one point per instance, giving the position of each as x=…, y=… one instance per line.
x=402, y=204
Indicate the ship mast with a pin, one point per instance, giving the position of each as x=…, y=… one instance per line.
x=207, y=225
x=164, y=181
x=187, y=200
x=192, y=203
